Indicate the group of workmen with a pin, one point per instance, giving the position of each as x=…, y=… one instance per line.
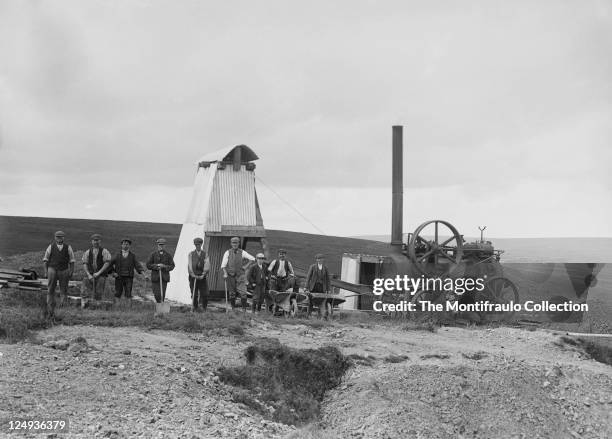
x=241, y=272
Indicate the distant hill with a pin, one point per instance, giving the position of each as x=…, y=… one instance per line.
x=542, y=249
x=19, y=235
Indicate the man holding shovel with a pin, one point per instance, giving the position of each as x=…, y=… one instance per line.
x=96, y=261
x=198, y=267
x=233, y=266
x=161, y=264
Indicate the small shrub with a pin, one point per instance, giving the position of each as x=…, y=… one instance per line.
x=396, y=358
x=361, y=360
x=439, y=356
x=475, y=356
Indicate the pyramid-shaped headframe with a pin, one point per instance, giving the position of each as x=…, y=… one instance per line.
x=223, y=204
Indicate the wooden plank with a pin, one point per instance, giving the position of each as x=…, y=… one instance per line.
x=21, y=287
x=12, y=272
x=30, y=283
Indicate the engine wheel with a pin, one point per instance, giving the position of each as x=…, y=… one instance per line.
x=439, y=256
x=498, y=290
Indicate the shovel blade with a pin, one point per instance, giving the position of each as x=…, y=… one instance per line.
x=162, y=308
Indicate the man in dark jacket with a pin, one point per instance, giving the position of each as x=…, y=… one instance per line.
x=160, y=261
x=317, y=279
x=59, y=266
x=198, y=266
x=257, y=277
x=124, y=264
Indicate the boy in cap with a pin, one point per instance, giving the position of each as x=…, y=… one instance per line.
x=96, y=261
x=282, y=274
x=160, y=262
x=317, y=279
x=124, y=264
x=59, y=267
x=257, y=278
x=198, y=266
x=234, y=268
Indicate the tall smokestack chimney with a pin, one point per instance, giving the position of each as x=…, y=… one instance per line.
x=398, y=187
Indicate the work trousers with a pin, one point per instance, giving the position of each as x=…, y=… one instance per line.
x=123, y=284
x=236, y=286
x=54, y=277
x=159, y=290
x=87, y=288
x=259, y=296
x=199, y=292
x=318, y=288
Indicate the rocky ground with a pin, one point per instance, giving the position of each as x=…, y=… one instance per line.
x=456, y=382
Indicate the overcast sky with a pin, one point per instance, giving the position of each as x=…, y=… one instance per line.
x=506, y=107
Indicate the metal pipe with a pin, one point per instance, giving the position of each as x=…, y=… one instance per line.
x=398, y=187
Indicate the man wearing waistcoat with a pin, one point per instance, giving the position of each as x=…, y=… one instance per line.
x=59, y=267
x=198, y=266
x=96, y=261
x=124, y=264
x=234, y=269
x=282, y=274
x=257, y=278
x=160, y=261
x=317, y=279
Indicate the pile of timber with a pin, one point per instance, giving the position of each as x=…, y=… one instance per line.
x=24, y=279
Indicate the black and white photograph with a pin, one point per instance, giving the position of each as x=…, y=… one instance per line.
x=306, y=220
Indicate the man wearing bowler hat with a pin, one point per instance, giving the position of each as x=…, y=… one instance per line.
x=234, y=268
x=160, y=262
x=198, y=266
x=124, y=264
x=96, y=261
x=59, y=267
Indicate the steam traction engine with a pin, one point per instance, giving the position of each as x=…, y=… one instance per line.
x=436, y=250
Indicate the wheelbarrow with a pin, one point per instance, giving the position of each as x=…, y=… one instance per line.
x=323, y=303
x=285, y=302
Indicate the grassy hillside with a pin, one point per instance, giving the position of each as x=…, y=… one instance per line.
x=19, y=235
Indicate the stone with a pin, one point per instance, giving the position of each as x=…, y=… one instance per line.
x=62, y=345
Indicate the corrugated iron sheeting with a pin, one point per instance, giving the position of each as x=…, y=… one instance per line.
x=216, y=247
x=232, y=200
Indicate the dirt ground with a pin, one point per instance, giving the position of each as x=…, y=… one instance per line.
x=456, y=382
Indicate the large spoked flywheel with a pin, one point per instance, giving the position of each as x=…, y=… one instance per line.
x=436, y=248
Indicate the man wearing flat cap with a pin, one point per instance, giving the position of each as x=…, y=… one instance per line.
x=282, y=276
x=317, y=279
x=257, y=277
x=96, y=260
x=59, y=267
x=124, y=264
x=198, y=266
x=161, y=264
x=234, y=269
